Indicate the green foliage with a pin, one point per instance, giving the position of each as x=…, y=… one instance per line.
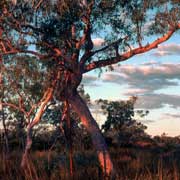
x=120, y=125
x=118, y=113
x=24, y=77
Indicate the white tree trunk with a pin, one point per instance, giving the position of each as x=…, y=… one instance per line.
x=46, y=98
x=92, y=127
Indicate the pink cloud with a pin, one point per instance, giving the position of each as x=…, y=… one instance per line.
x=136, y=91
x=168, y=49
x=98, y=42
x=164, y=69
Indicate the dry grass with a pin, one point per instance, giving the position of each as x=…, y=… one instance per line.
x=131, y=164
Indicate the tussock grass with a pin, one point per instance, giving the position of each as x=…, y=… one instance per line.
x=130, y=164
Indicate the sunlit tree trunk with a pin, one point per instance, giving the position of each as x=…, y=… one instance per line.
x=90, y=124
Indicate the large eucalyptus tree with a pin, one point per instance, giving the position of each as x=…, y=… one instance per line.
x=60, y=33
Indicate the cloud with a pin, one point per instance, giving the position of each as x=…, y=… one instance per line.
x=98, y=42
x=167, y=50
x=144, y=78
x=156, y=101
x=173, y=116
x=150, y=63
x=113, y=77
x=89, y=80
x=147, y=121
x=148, y=25
x=144, y=81
x=132, y=92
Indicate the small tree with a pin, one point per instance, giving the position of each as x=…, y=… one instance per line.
x=120, y=124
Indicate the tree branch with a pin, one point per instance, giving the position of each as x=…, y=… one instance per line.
x=38, y=5
x=15, y=51
x=86, y=56
x=131, y=53
x=87, y=30
x=6, y=104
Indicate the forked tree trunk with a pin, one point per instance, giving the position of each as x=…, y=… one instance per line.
x=92, y=127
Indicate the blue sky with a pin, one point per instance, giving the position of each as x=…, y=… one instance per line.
x=154, y=77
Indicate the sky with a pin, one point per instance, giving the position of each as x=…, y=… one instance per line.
x=154, y=77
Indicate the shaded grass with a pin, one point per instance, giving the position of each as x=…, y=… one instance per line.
x=130, y=164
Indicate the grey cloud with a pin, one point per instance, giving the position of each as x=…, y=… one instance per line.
x=145, y=78
x=168, y=49
x=147, y=26
x=163, y=53
x=174, y=116
x=150, y=63
x=143, y=81
x=89, y=80
x=147, y=121
x=155, y=101
x=134, y=92
x=113, y=78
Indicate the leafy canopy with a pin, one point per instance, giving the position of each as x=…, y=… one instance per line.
x=60, y=30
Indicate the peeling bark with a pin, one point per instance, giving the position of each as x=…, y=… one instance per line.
x=90, y=124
